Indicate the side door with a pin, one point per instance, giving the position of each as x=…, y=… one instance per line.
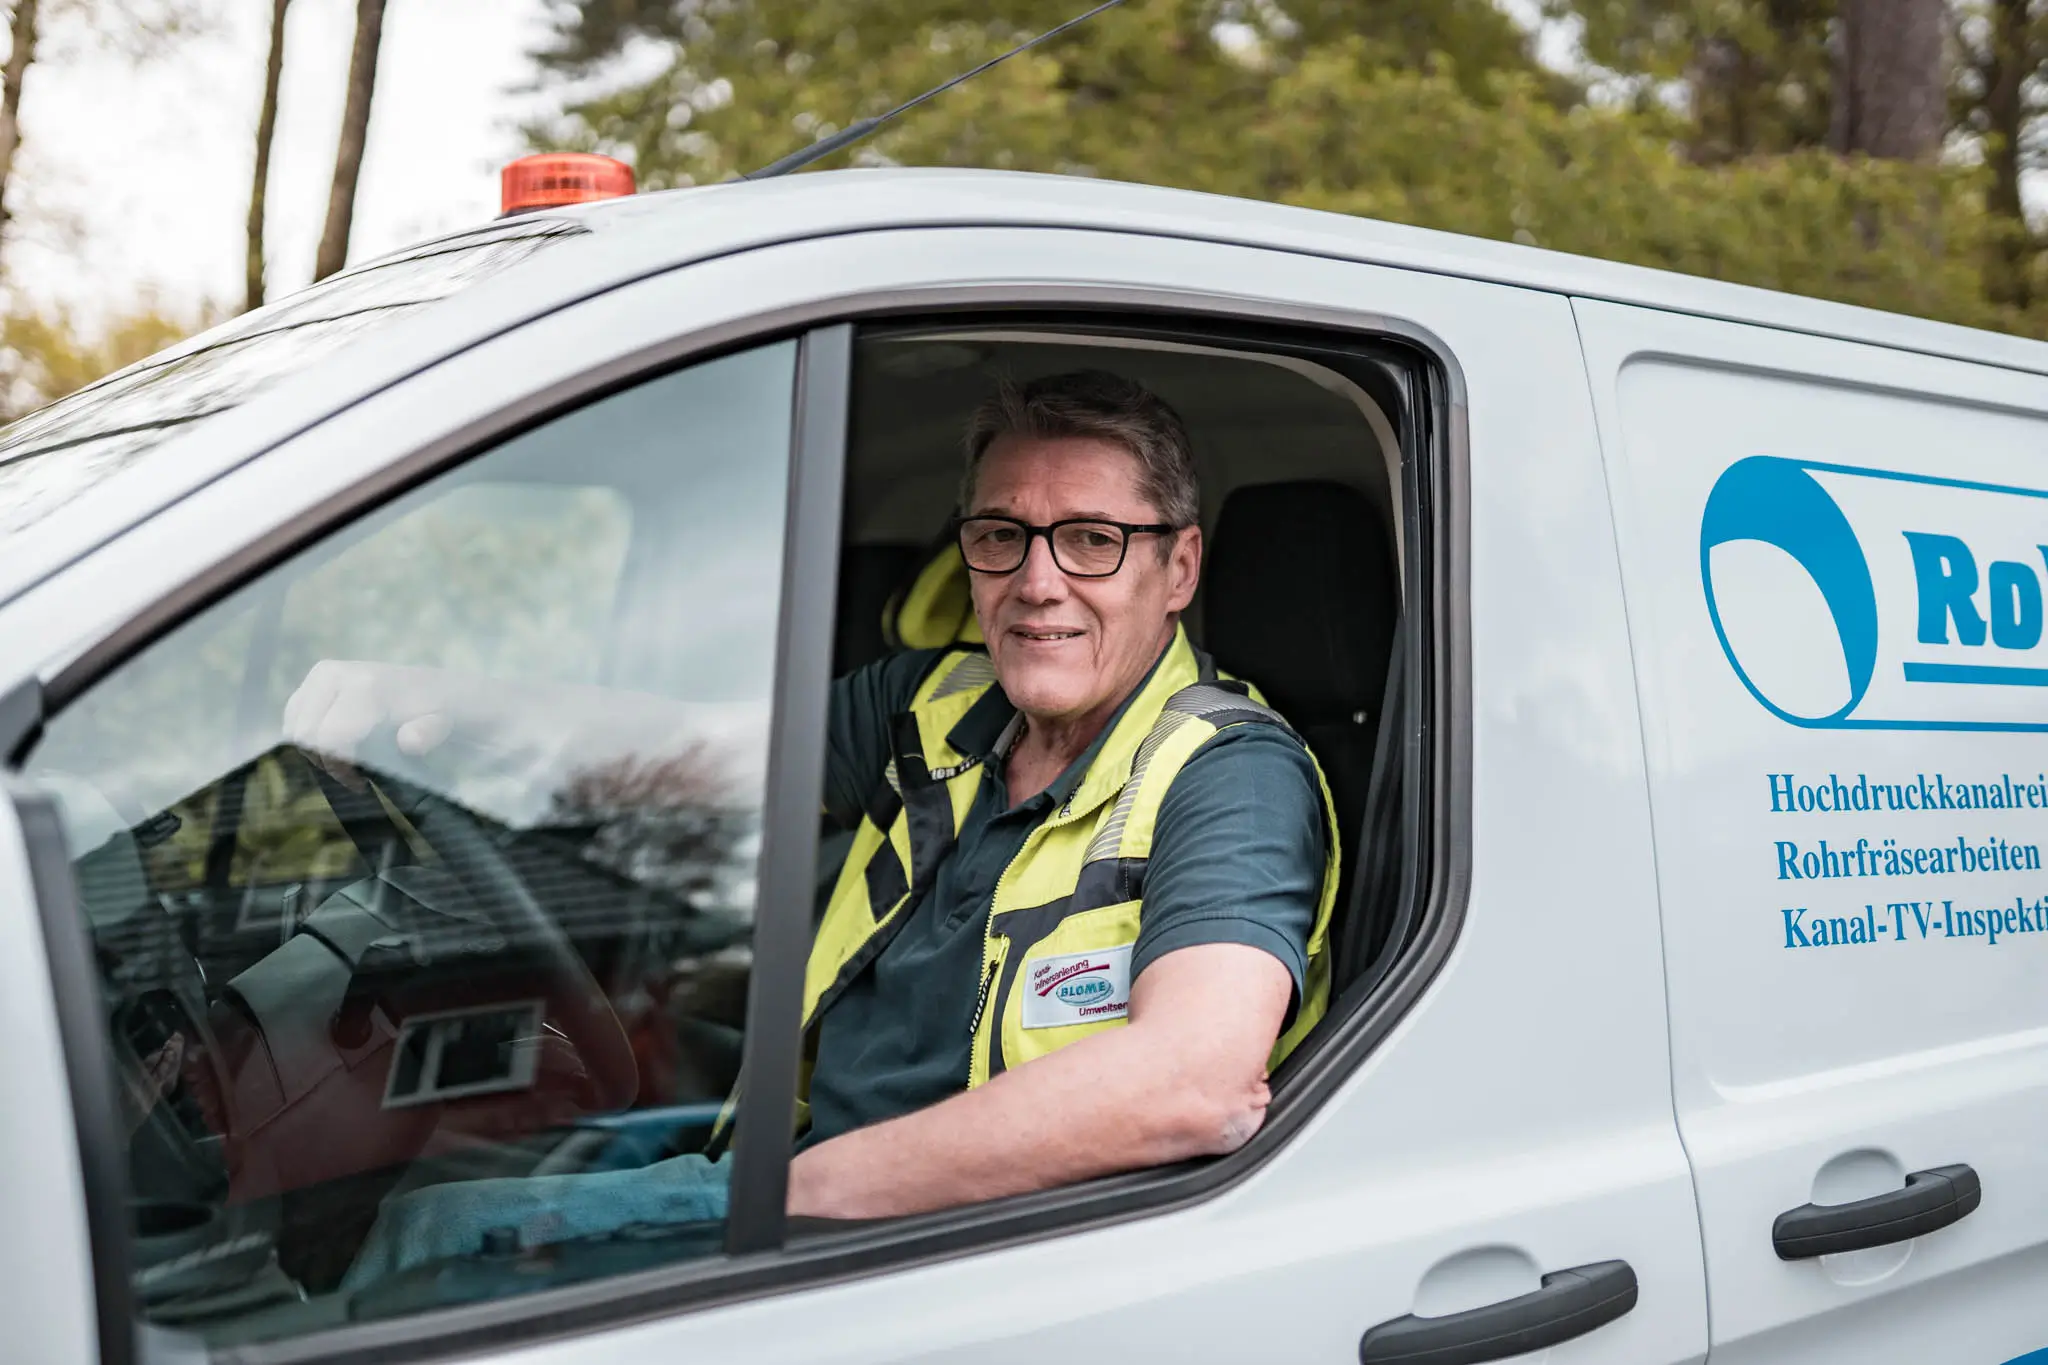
x=1832, y=560
x=1479, y=1155
x=51, y=1261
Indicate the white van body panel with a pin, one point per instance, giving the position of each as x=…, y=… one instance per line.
x=1783, y=506
x=46, y=1268
x=1517, y=1122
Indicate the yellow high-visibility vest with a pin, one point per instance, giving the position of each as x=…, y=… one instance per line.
x=1056, y=951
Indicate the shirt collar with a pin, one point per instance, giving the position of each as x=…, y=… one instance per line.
x=992, y=725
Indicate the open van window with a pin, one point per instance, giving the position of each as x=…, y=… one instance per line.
x=1300, y=467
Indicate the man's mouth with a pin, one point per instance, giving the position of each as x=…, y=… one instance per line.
x=1047, y=634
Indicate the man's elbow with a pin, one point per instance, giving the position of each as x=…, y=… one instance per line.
x=1213, y=1117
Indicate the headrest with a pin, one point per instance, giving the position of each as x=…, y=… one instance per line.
x=1300, y=597
x=937, y=609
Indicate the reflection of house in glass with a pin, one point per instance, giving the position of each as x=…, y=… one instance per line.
x=643, y=868
x=108, y=426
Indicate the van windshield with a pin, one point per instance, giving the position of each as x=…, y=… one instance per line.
x=51, y=456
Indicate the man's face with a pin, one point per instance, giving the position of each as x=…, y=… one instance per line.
x=1067, y=647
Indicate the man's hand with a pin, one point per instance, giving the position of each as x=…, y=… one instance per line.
x=541, y=732
x=1186, y=1077
x=341, y=702
x=155, y=1077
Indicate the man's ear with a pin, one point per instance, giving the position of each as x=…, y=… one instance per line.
x=1183, y=568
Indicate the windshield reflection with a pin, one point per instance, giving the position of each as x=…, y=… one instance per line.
x=50, y=457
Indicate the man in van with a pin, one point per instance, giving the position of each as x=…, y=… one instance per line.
x=1078, y=849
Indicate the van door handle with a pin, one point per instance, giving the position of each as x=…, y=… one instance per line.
x=1930, y=1199
x=1571, y=1303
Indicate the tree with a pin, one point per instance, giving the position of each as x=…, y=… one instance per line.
x=141, y=29
x=21, y=52
x=753, y=79
x=1714, y=160
x=1891, y=87
x=1754, y=76
x=2002, y=48
x=266, y=128
x=355, y=131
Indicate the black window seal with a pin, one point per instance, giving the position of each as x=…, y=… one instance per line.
x=1437, y=739
x=82, y=1028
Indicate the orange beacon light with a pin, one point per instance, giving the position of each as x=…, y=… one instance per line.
x=553, y=179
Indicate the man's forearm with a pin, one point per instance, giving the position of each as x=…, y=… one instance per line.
x=1114, y=1102
x=1184, y=1078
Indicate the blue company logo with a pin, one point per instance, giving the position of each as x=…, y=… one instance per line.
x=1084, y=990
x=1982, y=614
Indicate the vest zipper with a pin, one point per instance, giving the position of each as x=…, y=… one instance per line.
x=988, y=978
x=991, y=964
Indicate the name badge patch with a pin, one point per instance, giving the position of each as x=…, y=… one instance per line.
x=1077, y=988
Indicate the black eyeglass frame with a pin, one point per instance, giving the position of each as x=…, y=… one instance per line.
x=1128, y=528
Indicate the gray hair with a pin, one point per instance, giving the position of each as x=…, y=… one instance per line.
x=1099, y=404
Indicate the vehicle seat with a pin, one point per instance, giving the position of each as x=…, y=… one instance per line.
x=1300, y=598
x=869, y=576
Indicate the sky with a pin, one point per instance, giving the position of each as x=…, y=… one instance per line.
x=134, y=177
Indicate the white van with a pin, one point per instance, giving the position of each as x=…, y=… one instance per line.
x=1675, y=651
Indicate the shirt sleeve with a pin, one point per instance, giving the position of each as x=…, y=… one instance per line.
x=857, y=728
x=1239, y=851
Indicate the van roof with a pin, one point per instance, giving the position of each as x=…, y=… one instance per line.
x=628, y=238
x=680, y=225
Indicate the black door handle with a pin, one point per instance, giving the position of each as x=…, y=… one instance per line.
x=1570, y=1303
x=1930, y=1199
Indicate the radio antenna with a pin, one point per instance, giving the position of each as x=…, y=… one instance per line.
x=854, y=132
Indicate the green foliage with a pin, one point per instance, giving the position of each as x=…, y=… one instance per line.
x=1755, y=76
x=1611, y=183
x=1412, y=112
x=1157, y=84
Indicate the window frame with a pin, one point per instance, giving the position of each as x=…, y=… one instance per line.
x=82, y=1025
x=762, y=1259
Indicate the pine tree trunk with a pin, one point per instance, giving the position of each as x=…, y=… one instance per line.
x=355, y=129
x=2005, y=109
x=1891, y=91
x=266, y=128
x=22, y=51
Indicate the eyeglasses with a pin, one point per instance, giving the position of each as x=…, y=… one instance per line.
x=1082, y=547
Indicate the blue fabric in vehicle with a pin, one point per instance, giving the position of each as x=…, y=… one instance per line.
x=443, y=1221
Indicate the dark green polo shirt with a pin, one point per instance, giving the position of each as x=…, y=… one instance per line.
x=1237, y=857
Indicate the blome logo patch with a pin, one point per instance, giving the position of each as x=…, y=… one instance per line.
x=1851, y=598
x=1077, y=988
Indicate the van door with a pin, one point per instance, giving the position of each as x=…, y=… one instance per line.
x=54, y=1188
x=1489, y=1169
x=1834, y=570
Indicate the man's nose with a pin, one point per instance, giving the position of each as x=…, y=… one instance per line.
x=1039, y=578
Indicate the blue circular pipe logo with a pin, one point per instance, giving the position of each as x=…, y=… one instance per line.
x=1779, y=503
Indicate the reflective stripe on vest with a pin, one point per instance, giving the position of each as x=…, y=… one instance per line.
x=1065, y=916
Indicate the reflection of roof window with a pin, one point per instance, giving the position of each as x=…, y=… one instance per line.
x=51, y=456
